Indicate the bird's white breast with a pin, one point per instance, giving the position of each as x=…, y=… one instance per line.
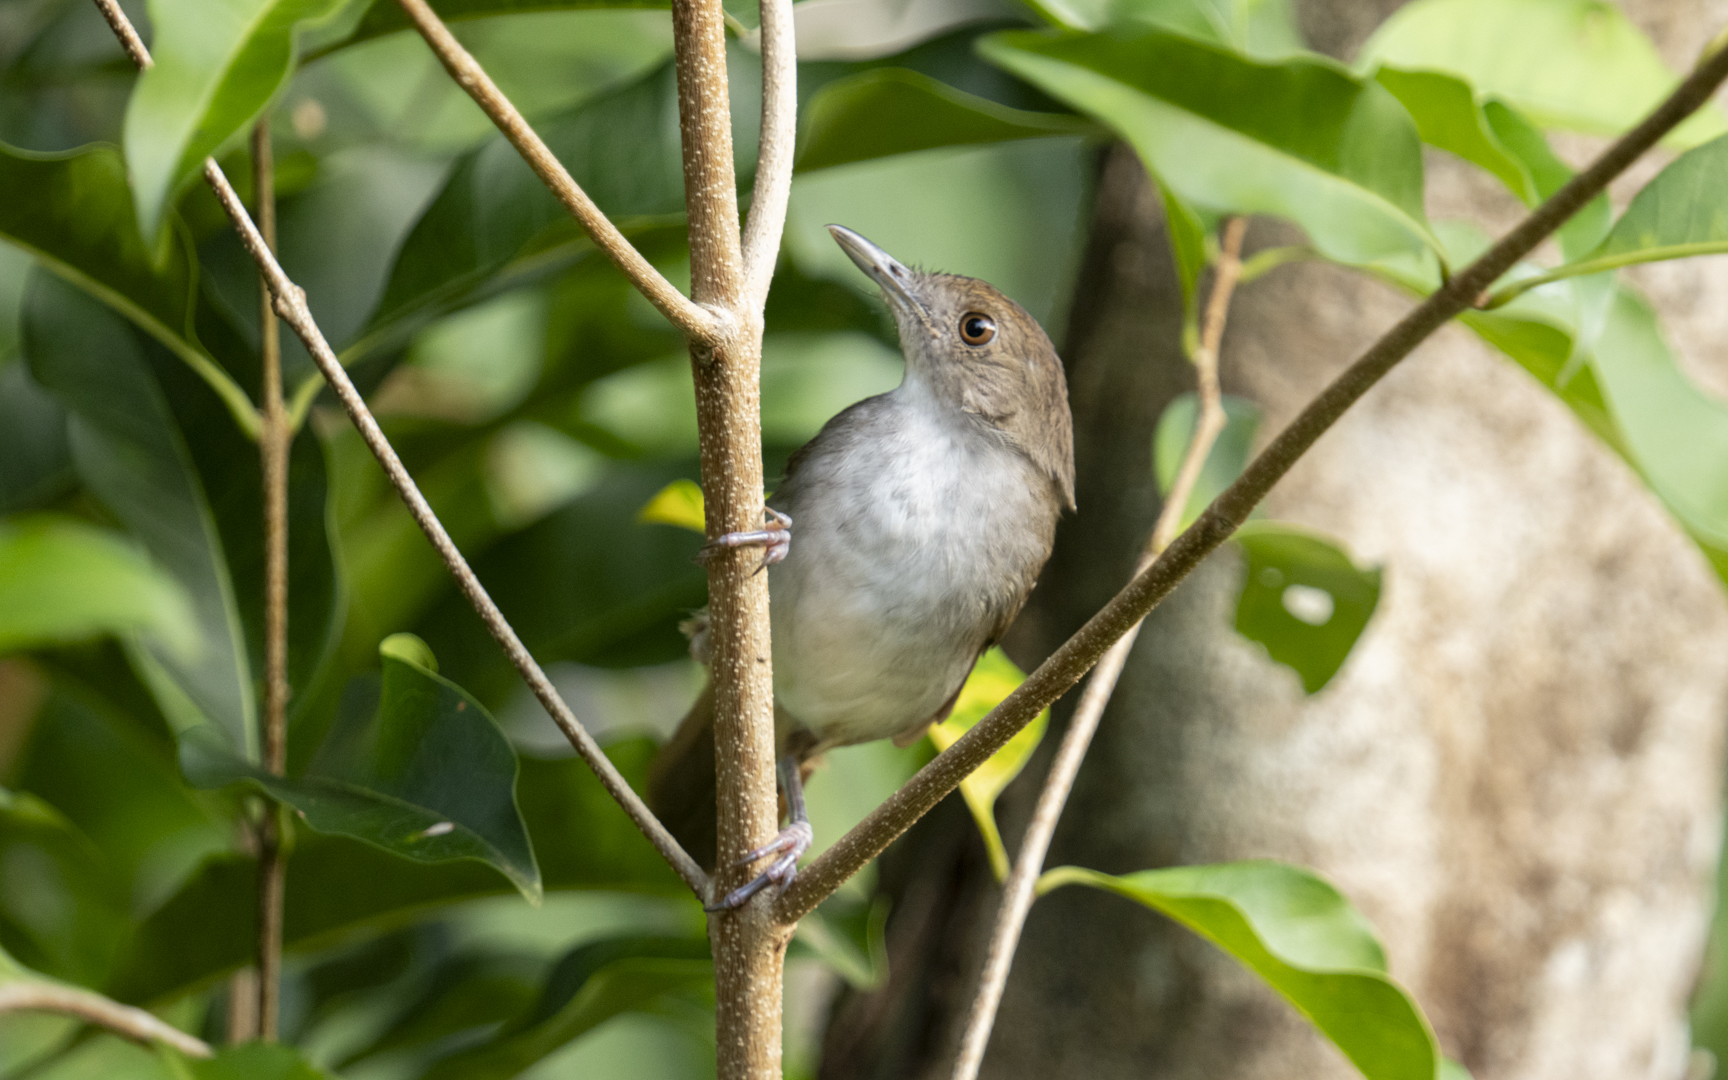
x=904, y=556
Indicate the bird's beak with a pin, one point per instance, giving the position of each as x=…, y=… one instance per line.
x=896, y=280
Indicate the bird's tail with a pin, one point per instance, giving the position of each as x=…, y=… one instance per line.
x=681, y=782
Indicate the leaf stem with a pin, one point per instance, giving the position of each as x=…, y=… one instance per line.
x=290, y=306
x=87, y=1005
x=1021, y=886
x=273, y=444
x=1512, y=291
x=703, y=325
x=1079, y=653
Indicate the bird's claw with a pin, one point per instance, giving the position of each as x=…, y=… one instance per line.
x=794, y=840
x=776, y=540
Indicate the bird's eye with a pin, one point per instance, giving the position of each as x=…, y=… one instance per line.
x=977, y=329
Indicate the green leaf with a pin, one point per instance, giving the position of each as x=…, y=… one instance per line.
x=62, y=906
x=419, y=769
x=1300, y=139
x=1224, y=462
x=62, y=580
x=387, y=17
x=74, y=213
x=130, y=454
x=1575, y=64
x=1188, y=249
x=853, y=944
x=590, y=985
x=466, y=993
x=1255, y=27
x=1448, y=115
x=1302, y=937
x=1303, y=598
x=217, y=63
x=1681, y=213
x=678, y=503
x=1524, y=142
x=581, y=838
x=1677, y=434
x=992, y=680
x=248, y=1061
x=35, y=458
x=888, y=111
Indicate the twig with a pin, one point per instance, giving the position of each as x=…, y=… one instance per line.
x=290, y=304
x=93, y=1007
x=1066, y=666
x=773, y=185
x=706, y=326
x=128, y=35
x=1017, y=891
x=273, y=445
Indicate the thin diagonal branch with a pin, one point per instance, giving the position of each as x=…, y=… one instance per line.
x=773, y=184
x=703, y=325
x=290, y=304
x=1070, y=662
x=92, y=1007
x=1017, y=891
x=273, y=442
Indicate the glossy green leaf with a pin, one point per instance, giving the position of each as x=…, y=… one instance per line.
x=1448, y=115
x=679, y=503
x=217, y=63
x=248, y=1061
x=62, y=580
x=1575, y=64
x=1300, y=139
x=888, y=111
x=467, y=993
x=1523, y=141
x=73, y=212
x=1224, y=462
x=418, y=768
x=589, y=986
x=581, y=838
x=992, y=680
x=1300, y=935
x=1303, y=598
x=1256, y=27
x=1188, y=248
x=130, y=454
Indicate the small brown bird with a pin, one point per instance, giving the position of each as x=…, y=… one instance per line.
x=925, y=515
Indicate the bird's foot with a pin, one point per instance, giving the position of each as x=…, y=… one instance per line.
x=776, y=539
x=788, y=847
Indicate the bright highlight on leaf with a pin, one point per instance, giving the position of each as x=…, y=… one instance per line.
x=1303, y=598
x=678, y=503
x=992, y=680
x=62, y=581
x=1300, y=935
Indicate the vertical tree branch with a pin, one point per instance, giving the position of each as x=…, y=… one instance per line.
x=749, y=946
x=773, y=185
x=1017, y=891
x=273, y=443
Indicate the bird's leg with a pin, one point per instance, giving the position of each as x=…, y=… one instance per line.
x=793, y=841
x=777, y=539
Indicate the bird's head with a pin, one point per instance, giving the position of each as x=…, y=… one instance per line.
x=979, y=352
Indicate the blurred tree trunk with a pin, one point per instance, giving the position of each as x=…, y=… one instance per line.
x=1517, y=774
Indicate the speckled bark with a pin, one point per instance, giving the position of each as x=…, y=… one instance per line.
x=1517, y=774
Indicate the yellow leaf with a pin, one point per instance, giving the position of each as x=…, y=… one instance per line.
x=993, y=679
x=678, y=503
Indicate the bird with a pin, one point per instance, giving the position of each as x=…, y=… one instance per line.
x=924, y=516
